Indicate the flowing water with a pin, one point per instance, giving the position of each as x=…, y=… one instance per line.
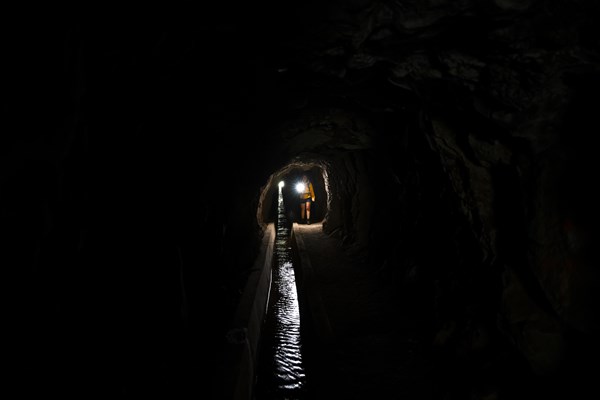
x=282, y=374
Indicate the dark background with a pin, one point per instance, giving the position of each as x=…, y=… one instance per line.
x=135, y=146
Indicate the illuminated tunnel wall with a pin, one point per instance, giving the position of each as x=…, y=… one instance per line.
x=292, y=174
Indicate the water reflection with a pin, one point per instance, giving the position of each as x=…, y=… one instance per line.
x=284, y=315
x=288, y=359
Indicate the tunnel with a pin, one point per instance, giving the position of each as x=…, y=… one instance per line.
x=451, y=247
x=291, y=175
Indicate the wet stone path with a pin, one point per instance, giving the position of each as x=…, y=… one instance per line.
x=374, y=350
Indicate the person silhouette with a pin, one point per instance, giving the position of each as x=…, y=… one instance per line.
x=307, y=196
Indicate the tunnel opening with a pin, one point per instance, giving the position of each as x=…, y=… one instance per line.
x=290, y=175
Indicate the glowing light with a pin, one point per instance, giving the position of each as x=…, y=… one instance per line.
x=281, y=184
x=300, y=187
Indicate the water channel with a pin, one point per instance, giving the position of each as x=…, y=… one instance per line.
x=281, y=373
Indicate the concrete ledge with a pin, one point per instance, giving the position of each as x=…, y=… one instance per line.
x=241, y=353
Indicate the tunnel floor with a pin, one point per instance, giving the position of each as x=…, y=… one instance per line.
x=365, y=338
x=361, y=338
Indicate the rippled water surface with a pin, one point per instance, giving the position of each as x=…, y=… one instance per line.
x=281, y=344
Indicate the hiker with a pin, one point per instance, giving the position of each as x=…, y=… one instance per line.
x=307, y=196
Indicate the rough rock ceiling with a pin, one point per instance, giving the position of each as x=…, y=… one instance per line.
x=501, y=61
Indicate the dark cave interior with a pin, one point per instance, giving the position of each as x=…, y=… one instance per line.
x=451, y=144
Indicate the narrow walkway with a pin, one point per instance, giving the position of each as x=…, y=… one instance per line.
x=360, y=341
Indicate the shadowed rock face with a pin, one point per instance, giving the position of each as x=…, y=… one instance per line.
x=455, y=141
